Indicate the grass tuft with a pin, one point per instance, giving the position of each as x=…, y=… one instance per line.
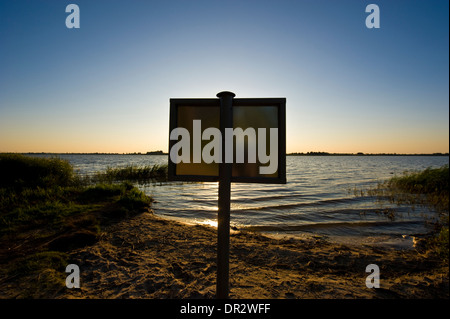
x=155, y=173
x=18, y=171
x=429, y=188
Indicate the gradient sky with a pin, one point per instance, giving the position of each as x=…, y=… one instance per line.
x=106, y=86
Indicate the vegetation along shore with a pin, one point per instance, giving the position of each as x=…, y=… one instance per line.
x=51, y=217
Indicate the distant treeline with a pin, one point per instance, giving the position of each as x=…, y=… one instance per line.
x=288, y=154
x=93, y=153
x=362, y=154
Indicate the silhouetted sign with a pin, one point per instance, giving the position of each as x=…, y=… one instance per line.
x=255, y=145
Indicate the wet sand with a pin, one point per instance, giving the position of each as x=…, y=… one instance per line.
x=151, y=257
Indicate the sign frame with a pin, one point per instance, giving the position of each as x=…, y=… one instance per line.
x=279, y=103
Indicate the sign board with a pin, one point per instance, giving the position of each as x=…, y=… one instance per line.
x=255, y=145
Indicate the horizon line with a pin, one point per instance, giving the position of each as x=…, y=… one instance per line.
x=311, y=153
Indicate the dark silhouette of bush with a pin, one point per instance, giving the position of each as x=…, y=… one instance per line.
x=19, y=171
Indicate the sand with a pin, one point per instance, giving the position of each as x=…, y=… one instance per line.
x=151, y=257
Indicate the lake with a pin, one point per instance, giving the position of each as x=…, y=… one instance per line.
x=315, y=200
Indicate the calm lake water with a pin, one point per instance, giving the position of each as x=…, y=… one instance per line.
x=316, y=198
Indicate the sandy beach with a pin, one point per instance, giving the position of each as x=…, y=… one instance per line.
x=151, y=257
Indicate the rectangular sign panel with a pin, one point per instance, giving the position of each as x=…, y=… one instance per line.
x=255, y=145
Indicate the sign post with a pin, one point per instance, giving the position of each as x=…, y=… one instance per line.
x=227, y=140
x=223, y=218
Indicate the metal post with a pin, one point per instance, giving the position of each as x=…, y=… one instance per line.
x=223, y=219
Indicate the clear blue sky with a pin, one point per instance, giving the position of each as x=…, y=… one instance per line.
x=105, y=87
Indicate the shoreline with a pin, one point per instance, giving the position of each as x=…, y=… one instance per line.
x=381, y=241
x=399, y=242
x=150, y=257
